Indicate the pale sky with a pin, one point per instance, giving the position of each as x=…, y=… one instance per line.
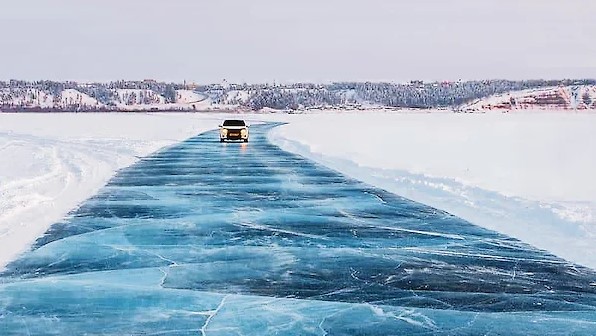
x=297, y=40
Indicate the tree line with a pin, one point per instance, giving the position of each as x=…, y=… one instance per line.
x=296, y=96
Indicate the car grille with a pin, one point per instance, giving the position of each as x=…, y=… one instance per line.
x=234, y=134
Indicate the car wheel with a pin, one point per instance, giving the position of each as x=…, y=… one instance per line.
x=245, y=140
x=221, y=140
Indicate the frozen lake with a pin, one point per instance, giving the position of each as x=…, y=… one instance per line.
x=246, y=239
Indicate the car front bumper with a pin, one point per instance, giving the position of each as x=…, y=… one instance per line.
x=232, y=135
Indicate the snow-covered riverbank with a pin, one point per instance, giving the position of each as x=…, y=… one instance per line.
x=527, y=175
x=50, y=163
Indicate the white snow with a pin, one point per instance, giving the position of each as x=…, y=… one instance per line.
x=526, y=175
x=530, y=176
x=131, y=99
x=74, y=97
x=190, y=100
x=26, y=97
x=125, y=99
x=236, y=97
x=573, y=98
x=189, y=97
x=50, y=163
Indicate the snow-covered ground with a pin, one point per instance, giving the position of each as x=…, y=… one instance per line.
x=189, y=97
x=530, y=176
x=52, y=162
x=70, y=97
x=138, y=99
x=526, y=175
x=125, y=100
x=26, y=97
x=571, y=98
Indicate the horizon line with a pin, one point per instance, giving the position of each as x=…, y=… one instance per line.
x=151, y=80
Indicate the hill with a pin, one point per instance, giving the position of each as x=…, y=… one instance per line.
x=149, y=95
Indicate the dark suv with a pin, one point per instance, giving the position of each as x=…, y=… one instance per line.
x=233, y=130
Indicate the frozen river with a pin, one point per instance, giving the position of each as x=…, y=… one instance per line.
x=246, y=239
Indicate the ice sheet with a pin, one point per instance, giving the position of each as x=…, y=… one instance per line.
x=246, y=239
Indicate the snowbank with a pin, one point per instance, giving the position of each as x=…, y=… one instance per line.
x=52, y=162
x=526, y=175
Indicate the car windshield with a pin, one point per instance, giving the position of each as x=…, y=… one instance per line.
x=234, y=123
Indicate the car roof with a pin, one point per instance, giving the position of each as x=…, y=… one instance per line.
x=234, y=122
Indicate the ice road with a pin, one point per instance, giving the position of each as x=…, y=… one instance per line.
x=246, y=239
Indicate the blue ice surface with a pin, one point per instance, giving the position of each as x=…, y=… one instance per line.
x=206, y=238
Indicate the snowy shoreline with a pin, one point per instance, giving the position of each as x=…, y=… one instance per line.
x=525, y=175
x=51, y=163
x=489, y=169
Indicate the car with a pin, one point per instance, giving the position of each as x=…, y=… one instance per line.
x=233, y=130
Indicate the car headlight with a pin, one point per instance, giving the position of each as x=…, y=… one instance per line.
x=223, y=132
x=244, y=132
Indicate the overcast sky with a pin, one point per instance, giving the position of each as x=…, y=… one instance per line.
x=297, y=40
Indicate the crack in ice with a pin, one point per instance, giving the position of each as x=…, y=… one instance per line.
x=212, y=315
x=398, y=229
